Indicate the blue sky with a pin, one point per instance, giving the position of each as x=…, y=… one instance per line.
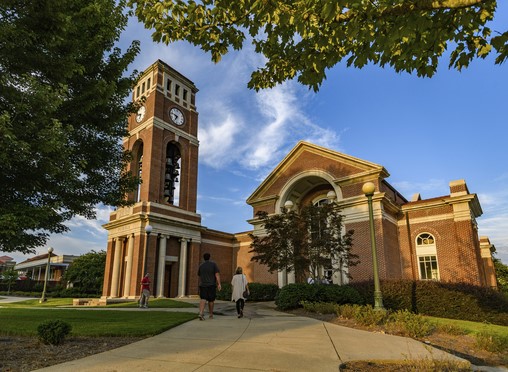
x=425, y=132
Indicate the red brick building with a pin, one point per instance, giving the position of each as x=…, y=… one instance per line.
x=161, y=233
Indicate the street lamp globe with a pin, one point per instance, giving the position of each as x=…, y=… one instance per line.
x=331, y=196
x=50, y=250
x=368, y=188
x=148, y=229
x=288, y=205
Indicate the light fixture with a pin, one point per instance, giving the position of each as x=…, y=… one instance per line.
x=368, y=189
x=148, y=230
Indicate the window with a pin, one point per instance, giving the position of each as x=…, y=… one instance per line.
x=143, y=88
x=171, y=184
x=137, y=92
x=140, y=167
x=148, y=84
x=428, y=268
x=168, y=85
x=425, y=239
x=185, y=94
x=177, y=90
x=321, y=202
x=427, y=257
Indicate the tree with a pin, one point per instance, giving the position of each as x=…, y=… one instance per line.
x=502, y=275
x=87, y=272
x=304, y=38
x=304, y=242
x=62, y=115
x=9, y=277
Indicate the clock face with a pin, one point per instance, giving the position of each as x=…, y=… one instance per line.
x=176, y=116
x=141, y=114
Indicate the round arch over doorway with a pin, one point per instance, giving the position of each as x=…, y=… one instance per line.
x=298, y=187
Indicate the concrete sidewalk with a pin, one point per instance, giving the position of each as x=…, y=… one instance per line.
x=264, y=340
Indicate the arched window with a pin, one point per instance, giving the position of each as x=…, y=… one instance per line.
x=171, y=173
x=320, y=202
x=138, y=165
x=426, y=254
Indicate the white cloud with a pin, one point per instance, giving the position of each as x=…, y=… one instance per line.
x=217, y=142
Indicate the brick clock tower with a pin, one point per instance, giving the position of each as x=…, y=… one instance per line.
x=156, y=233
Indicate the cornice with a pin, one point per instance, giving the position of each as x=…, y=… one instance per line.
x=159, y=123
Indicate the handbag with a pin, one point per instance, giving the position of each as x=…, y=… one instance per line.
x=245, y=293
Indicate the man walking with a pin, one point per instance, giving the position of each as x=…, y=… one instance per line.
x=145, y=291
x=209, y=281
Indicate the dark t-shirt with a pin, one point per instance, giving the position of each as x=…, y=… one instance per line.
x=206, y=273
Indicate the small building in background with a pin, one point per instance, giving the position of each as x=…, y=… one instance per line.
x=35, y=268
x=6, y=263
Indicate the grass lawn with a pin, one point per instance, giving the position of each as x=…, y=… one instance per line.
x=472, y=327
x=57, y=302
x=18, y=321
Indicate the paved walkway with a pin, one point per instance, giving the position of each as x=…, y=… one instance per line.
x=264, y=340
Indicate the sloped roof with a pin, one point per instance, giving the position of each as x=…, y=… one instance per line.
x=360, y=165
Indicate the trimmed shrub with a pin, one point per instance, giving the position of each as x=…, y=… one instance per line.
x=292, y=295
x=71, y=293
x=225, y=293
x=53, y=332
x=263, y=292
x=258, y=292
x=444, y=300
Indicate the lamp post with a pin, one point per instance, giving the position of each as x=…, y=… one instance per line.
x=46, y=276
x=368, y=189
x=148, y=230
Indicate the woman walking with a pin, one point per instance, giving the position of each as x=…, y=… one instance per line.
x=240, y=290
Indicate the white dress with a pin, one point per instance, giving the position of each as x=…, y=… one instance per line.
x=238, y=282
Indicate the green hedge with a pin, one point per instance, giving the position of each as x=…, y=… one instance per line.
x=258, y=292
x=444, y=300
x=292, y=295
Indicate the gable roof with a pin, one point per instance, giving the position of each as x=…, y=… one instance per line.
x=363, y=167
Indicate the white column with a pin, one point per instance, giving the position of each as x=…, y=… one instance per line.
x=128, y=269
x=162, y=266
x=182, y=273
x=291, y=277
x=282, y=278
x=116, y=267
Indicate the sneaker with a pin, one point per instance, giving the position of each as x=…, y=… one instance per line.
x=201, y=317
x=210, y=316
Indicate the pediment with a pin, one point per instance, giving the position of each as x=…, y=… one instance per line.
x=306, y=157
